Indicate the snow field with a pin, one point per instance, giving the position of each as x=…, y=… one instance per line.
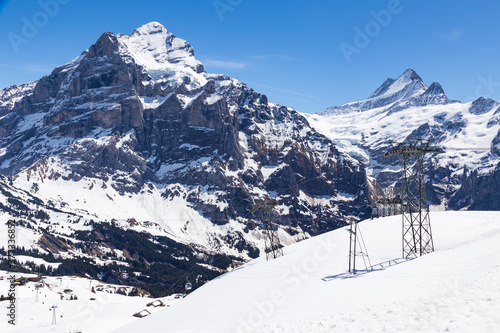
x=456, y=288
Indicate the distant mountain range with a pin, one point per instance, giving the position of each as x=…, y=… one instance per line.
x=464, y=175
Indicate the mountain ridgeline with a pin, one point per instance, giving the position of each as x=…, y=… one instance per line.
x=135, y=133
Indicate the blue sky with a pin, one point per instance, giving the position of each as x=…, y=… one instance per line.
x=306, y=54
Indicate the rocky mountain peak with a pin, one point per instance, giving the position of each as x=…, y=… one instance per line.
x=158, y=51
x=396, y=94
x=409, y=82
x=482, y=105
x=410, y=75
x=434, y=89
x=106, y=45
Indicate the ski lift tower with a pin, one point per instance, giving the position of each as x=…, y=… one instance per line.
x=356, y=241
x=273, y=246
x=54, y=307
x=417, y=234
x=188, y=286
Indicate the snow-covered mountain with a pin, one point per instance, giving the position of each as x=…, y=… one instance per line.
x=464, y=175
x=9, y=96
x=134, y=133
x=395, y=95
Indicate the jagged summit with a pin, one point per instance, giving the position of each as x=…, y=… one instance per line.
x=409, y=81
x=435, y=89
x=158, y=51
x=410, y=74
x=150, y=28
x=394, y=95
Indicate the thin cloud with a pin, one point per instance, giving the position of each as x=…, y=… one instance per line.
x=252, y=60
x=451, y=36
x=225, y=64
x=283, y=90
x=32, y=68
x=271, y=56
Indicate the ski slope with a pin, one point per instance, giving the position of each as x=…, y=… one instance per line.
x=456, y=288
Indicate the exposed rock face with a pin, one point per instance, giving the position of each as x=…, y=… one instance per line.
x=52, y=244
x=481, y=105
x=139, y=116
x=478, y=192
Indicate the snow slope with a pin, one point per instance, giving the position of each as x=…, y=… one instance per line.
x=456, y=288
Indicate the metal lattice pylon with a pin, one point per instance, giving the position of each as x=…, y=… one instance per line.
x=273, y=246
x=417, y=233
x=387, y=205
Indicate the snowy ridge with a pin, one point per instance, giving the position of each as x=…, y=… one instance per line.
x=154, y=48
x=409, y=80
x=13, y=94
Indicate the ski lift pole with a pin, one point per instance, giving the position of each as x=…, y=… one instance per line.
x=355, y=238
x=352, y=243
x=188, y=286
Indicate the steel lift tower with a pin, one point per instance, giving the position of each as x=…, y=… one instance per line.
x=273, y=246
x=417, y=234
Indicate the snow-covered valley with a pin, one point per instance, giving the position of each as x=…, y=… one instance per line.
x=456, y=289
